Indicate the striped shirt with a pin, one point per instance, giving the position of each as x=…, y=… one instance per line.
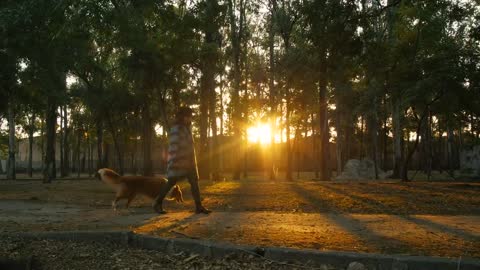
x=181, y=152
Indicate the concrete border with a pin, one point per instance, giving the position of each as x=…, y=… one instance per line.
x=118, y=237
x=17, y=264
x=218, y=250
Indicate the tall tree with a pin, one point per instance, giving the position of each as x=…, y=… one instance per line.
x=237, y=28
x=11, y=172
x=211, y=20
x=272, y=5
x=286, y=16
x=8, y=80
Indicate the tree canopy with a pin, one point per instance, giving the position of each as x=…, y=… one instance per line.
x=385, y=80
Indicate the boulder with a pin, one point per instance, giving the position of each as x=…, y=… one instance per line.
x=470, y=161
x=356, y=169
x=356, y=266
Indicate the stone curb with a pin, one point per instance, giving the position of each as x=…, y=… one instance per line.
x=218, y=250
x=118, y=237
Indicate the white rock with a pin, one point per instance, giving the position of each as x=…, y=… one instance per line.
x=356, y=266
x=361, y=169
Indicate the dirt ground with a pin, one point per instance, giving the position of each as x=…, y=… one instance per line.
x=300, y=196
x=54, y=255
x=417, y=218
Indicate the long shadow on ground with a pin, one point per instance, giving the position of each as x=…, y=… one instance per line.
x=368, y=239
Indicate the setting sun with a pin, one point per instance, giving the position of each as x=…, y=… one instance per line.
x=260, y=133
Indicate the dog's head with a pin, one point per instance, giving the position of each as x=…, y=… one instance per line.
x=107, y=173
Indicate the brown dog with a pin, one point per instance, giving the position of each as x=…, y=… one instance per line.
x=127, y=187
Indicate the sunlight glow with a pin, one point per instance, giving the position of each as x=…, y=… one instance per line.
x=71, y=79
x=158, y=130
x=260, y=133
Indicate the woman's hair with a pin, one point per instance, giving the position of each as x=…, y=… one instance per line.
x=182, y=112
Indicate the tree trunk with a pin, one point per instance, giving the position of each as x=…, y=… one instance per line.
x=375, y=145
x=373, y=130
x=66, y=146
x=385, y=143
x=116, y=145
x=450, y=142
x=288, y=173
x=472, y=125
x=478, y=128
x=219, y=146
x=286, y=40
x=207, y=105
x=422, y=164
x=208, y=155
x=214, y=151
x=245, y=120
x=31, y=129
x=362, y=136
x=62, y=152
x=272, y=92
x=297, y=149
x=78, y=150
x=147, y=140
x=439, y=151
x=245, y=157
x=323, y=119
x=429, y=146
x=397, y=139
x=49, y=172
x=83, y=161
x=106, y=155
x=135, y=157
x=205, y=88
x=414, y=148
x=99, y=126
x=90, y=157
x=11, y=171
x=349, y=132
x=338, y=143
x=42, y=141
x=210, y=81
x=1, y=167
x=458, y=147
x=396, y=97
x=236, y=38
x=136, y=146
x=315, y=148
x=324, y=173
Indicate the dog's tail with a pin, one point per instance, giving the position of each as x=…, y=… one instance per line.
x=109, y=176
x=175, y=194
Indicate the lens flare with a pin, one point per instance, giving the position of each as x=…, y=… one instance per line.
x=260, y=133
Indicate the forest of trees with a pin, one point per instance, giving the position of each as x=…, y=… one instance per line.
x=377, y=78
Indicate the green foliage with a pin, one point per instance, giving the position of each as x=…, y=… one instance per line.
x=130, y=56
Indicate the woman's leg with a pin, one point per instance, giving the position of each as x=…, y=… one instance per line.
x=193, y=180
x=158, y=202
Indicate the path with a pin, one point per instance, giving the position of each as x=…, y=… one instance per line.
x=433, y=219
x=450, y=236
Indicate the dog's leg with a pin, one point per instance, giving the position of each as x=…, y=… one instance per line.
x=117, y=199
x=129, y=200
x=121, y=194
x=114, y=203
